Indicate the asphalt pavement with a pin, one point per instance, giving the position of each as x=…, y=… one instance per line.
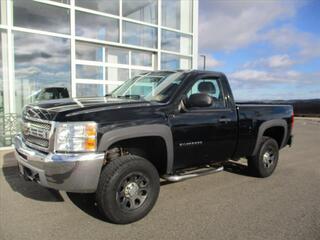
x=226, y=205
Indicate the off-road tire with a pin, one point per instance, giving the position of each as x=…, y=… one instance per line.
x=111, y=199
x=260, y=164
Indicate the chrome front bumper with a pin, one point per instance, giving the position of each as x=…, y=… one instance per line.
x=66, y=172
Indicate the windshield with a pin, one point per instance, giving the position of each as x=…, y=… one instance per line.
x=153, y=86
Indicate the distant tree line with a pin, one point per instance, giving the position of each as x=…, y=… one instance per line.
x=307, y=108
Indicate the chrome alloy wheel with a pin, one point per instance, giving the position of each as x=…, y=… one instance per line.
x=133, y=191
x=268, y=158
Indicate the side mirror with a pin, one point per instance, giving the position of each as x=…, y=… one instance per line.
x=199, y=100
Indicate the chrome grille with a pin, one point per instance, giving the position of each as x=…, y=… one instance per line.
x=37, y=141
x=36, y=133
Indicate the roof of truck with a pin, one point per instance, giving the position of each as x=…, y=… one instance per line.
x=186, y=71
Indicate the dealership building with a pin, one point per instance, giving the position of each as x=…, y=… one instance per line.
x=88, y=47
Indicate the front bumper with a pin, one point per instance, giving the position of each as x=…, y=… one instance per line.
x=66, y=172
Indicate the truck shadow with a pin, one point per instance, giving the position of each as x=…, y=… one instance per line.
x=28, y=189
x=86, y=203
x=237, y=168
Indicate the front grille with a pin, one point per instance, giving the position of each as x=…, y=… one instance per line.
x=36, y=133
x=37, y=141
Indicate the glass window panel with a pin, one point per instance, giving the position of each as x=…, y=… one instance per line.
x=3, y=12
x=173, y=62
x=40, y=62
x=40, y=16
x=177, y=14
x=97, y=27
x=117, y=74
x=107, y=6
x=90, y=90
x=142, y=10
x=117, y=55
x=90, y=52
x=216, y=94
x=141, y=58
x=176, y=42
x=89, y=72
x=110, y=88
x=140, y=35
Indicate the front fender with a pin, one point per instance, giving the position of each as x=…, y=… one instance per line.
x=158, y=130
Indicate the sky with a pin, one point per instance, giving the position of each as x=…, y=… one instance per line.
x=269, y=49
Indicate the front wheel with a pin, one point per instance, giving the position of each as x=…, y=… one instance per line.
x=265, y=161
x=128, y=189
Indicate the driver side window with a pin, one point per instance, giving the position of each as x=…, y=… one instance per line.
x=211, y=87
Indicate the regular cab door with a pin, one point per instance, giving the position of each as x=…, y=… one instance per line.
x=204, y=134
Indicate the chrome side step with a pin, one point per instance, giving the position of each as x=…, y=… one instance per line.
x=192, y=174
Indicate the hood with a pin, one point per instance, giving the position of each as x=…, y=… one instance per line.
x=52, y=109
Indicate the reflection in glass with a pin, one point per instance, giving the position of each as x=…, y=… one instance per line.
x=107, y=6
x=89, y=52
x=90, y=90
x=117, y=74
x=110, y=88
x=97, y=27
x=3, y=13
x=141, y=58
x=40, y=62
x=172, y=62
x=89, y=72
x=140, y=35
x=176, y=42
x=142, y=10
x=40, y=16
x=177, y=14
x=117, y=55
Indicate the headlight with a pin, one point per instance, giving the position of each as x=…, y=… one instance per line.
x=76, y=137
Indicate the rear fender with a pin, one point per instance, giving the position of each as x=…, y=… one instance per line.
x=268, y=124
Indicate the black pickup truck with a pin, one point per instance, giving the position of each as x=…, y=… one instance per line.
x=172, y=125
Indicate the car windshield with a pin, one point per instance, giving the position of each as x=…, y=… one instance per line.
x=152, y=86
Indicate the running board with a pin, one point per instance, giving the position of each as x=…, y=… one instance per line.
x=192, y=174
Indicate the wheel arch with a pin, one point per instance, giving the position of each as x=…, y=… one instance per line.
x=150, y=131
x=269, y=128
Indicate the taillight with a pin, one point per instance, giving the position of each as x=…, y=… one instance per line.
x=292, y=120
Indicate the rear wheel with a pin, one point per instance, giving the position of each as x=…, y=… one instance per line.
x=128, y=189
x=265, y=161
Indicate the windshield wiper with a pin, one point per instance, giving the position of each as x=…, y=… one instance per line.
x=131, y=96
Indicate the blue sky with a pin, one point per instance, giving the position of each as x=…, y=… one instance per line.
x=269, y=49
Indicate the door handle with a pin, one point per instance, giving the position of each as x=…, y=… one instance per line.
x=225, y=120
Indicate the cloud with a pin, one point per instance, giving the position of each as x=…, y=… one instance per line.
x=252, y=84
x=279, y=61
x=211, y=62
x=275, y=61
x=286, y=37
x=255, y=77
x=238, y=23
x=259, y=76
